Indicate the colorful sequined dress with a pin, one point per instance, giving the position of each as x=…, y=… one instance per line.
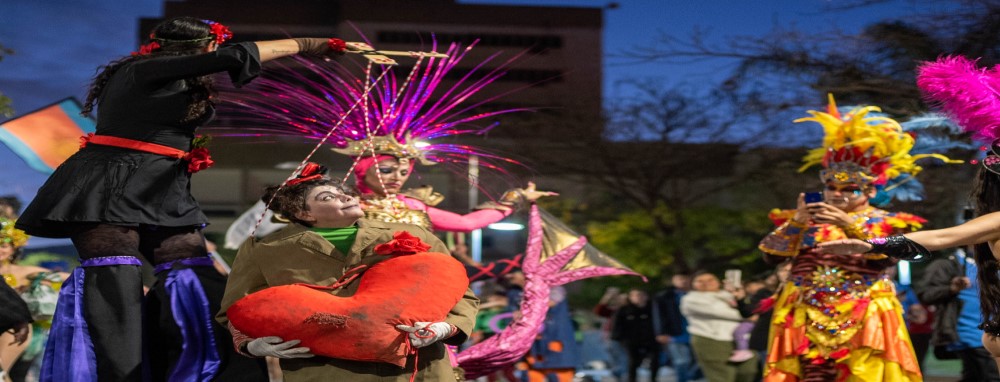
x=838, y=314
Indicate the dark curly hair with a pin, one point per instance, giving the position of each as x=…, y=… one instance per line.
x=986, y=195
x=290, y=200
x=178, y=36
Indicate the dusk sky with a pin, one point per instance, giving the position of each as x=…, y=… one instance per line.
x=59, y=44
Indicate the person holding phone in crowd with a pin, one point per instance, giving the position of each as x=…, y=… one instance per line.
x=838, y=316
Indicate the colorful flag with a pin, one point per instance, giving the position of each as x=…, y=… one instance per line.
x=45, y=137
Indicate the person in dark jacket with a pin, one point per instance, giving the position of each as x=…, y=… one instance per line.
x=671, y=327
x=950, y=284
x=633, y=328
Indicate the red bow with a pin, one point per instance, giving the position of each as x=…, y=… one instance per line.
x=84, y=139
x=198, y=159
x=311, y=171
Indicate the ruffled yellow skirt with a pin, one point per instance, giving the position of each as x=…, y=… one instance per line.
x=856, y=324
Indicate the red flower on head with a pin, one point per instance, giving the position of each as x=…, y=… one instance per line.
x=147, y=49
x=221, y=32
x=402, y=243
x=198, y=159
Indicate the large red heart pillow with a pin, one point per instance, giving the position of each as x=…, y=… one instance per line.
x=401, y=290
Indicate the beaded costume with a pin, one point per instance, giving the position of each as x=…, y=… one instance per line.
x=838, y=318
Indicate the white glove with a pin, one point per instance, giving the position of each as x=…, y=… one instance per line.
x=425, y=333
x=275, y=347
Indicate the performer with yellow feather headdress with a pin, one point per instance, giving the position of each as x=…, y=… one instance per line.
x=838, y=317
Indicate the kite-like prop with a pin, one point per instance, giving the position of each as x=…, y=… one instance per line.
x=555, y=255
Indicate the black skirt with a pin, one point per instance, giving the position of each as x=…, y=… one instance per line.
x=104, y=184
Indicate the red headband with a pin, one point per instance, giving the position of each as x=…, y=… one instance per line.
x=220, y=33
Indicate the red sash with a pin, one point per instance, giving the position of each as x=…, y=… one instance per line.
x=198, y=158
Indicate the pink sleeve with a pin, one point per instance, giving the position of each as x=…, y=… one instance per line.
x=451, y=222
x=442, y=220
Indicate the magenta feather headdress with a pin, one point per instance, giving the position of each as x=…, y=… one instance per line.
x=404, y=110
x=967, y=93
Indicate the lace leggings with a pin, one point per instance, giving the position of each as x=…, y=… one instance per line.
x=157, y=244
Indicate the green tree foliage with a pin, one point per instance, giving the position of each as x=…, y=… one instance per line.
x=713, y=238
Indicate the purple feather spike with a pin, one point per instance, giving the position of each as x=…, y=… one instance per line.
x=307, y=98
x=966, y=92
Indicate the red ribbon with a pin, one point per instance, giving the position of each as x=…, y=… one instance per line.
x=198, y=159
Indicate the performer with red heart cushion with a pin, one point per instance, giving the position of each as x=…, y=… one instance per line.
x=341, y=284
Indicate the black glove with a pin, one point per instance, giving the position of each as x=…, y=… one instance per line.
x=900, y=247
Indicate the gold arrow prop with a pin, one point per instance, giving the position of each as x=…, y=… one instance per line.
x=381, y=56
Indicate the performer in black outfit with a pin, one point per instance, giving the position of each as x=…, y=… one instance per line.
x=126, y=193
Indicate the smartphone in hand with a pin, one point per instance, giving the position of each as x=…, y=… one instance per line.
x=813, y=197
x=733, y=278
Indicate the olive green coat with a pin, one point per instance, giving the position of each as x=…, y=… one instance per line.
x=297, y=255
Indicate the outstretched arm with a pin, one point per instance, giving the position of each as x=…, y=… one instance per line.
x=451, y=222
x=983, y=229
x=270, y=50
x=242, y=61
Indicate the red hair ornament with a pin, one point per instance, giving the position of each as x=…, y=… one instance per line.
x=311, y=171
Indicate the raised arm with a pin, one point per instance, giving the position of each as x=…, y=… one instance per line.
x=270, y=50
x=242, y=61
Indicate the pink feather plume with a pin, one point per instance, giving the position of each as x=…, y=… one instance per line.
x=966, y=92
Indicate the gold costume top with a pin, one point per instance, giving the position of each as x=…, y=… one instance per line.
x=397, y=209
x=393, y=209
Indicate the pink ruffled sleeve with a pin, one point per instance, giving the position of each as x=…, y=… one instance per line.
x=442, y=220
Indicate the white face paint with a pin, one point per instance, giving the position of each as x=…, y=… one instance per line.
x=329, y=207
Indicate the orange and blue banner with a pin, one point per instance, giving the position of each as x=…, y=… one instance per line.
x=44, y=138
